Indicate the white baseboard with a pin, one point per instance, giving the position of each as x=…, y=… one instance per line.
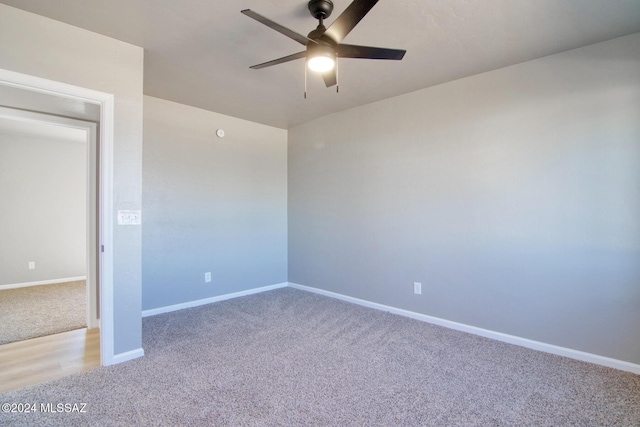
x=499, y=336
x=189, y=304
x=42, y=282
x=124, y=357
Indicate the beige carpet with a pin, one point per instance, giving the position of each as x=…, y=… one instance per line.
x=292, y=358
x=37, y=311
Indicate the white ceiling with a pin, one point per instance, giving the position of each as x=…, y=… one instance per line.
x=198, y=52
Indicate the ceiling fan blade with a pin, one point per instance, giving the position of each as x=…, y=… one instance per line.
x=368, y=52
x=344, y=23
x=330, y=78
x=280, y=60
x=303, y=40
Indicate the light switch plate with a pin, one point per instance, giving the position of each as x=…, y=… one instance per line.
x=129, y=217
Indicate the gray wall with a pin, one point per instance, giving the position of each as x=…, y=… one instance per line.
x=513, y=196
x=42, y=47
x=43, y=185
x=210, y=204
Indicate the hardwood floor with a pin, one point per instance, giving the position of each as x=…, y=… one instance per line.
x=47, y=358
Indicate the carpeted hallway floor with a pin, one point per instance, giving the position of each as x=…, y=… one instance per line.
x=288, y=357
x=36, y=311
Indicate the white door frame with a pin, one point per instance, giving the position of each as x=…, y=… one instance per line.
x=105, y=189
x=91, y=243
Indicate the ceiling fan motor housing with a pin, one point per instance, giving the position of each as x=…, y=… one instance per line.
x=323, y=48
x=320, y=8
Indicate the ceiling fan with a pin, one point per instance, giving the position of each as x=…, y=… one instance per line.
x=323, y=45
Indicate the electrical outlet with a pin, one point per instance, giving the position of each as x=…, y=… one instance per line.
x=417, y=288
x=207, y=277
x=32, y=265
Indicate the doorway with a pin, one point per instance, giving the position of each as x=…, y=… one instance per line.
x=49, y=244
x=99, y=216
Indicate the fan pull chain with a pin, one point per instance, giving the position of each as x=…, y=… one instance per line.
x=337, y=75
x=305, y=79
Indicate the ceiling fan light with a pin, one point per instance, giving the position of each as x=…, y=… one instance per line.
x=321, y=64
